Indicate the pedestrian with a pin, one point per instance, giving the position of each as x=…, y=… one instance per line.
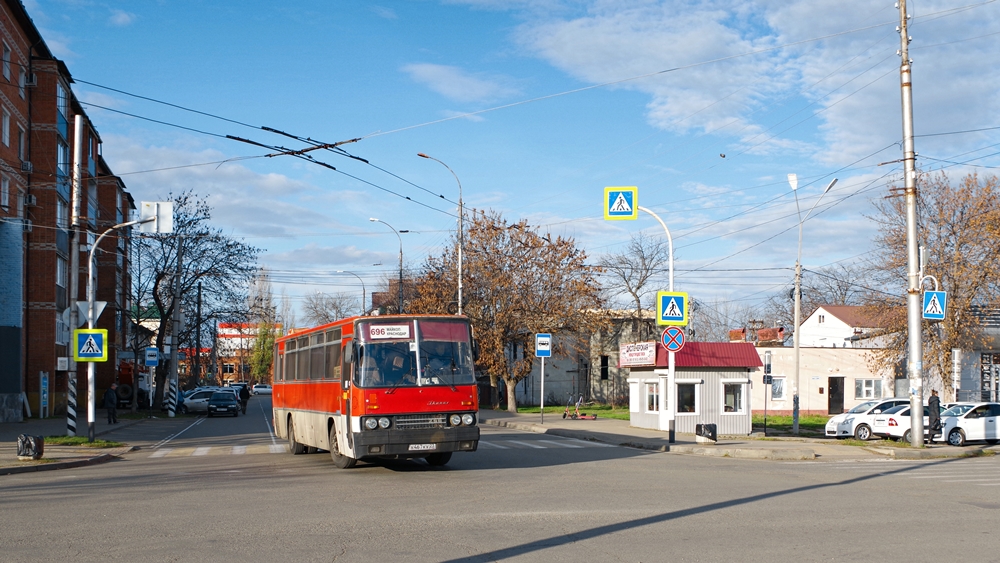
x=244, y=397
x=111, y=403
x=934, y=416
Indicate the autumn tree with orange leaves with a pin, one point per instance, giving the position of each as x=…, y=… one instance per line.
x=959, y=225
x=516, y=282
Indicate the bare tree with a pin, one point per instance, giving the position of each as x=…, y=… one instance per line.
x=322, y=308
x=712, y=321
x=222, y=264
x=631, y=273
x=517, y=282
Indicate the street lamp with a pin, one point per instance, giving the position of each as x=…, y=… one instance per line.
x=374, y=220
x=793, y=180
x=362, y=288
x=461, y=229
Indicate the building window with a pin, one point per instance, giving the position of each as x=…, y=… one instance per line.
x=687, y=398
x=6, y=61
x=22, y=145
x=62, y=150
x=822, y=319
x=62, y=275
x=604, y=367
x=4, y=192
x=867, y=389
x=62, y=101
x=6, y=128
x=62, y=213
x=732, y=394
x=20, y=83
x=228, y=369
x=652, y=397
x=778, y=388
x=62, y=330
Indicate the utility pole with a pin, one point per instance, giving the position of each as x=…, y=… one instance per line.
x=74, y=270
x=175, y=332
x=197, y=341
x=915, y=363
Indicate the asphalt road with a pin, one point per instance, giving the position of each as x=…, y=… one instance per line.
x=224, y=489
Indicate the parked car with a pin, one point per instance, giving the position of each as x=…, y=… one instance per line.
x=971, y=422
x=196, y=401
x=237, y=387
x=858, y=421
x=895, y=423
x=223, y=403
x=261, y=389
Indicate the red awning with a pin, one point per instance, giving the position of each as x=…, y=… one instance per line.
x=712, y=355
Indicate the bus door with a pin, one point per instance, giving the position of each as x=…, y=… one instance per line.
x=349, y=358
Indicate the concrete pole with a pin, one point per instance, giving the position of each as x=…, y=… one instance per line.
x=915, y=363
x=175, y=331
x=74, y=269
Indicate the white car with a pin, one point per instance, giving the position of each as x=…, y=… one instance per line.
x=261, y=389
x=196, y=401
x=970, y=422
x=895, y=423
x=858, y=421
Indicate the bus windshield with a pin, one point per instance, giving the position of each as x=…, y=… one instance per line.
x=409, y=353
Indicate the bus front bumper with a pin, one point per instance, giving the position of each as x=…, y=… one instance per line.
x=416, y=443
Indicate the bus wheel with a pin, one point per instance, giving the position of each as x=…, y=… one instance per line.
x=437, y=460
x=297, y=448
x=340, y=460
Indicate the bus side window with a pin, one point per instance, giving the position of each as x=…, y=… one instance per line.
x=350, y=354
x=333, y=360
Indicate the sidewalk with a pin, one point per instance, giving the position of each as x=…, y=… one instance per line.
x=618, y=432
x=57, y=457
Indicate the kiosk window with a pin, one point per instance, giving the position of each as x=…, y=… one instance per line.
x=687, y=398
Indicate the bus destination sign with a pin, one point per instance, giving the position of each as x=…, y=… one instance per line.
x=376, y=332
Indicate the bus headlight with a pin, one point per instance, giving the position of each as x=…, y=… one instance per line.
x=455, y=420
x=371, y=423
x=468, y=419
x=383, y=423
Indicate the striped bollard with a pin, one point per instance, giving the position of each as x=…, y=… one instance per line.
x=171, y=398
x=71, y=407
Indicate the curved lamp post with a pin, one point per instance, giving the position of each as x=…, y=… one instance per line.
x=362, y=288
x=461, y=225
x=374, y=220
x=793, y=181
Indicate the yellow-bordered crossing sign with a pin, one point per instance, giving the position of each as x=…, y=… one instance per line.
x=621, y=203
x=90, y=345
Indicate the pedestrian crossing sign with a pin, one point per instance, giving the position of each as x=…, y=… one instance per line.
x=935, y=305
x=90, y=345
x=621, y=203
x=672, y=308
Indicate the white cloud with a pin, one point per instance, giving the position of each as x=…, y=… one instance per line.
x=459, y=85
x=121, y=18
x=385, y=13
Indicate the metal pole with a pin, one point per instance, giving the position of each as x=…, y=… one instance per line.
x=175, y=332
x=669, y=392
x=794, y=182
x=374, y=220
x=74, y=270
x=913, y=314
x=461, y=227
x=197, y=340
x=541, y=402
x=362, y=288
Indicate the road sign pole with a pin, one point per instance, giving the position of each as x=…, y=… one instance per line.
x=542, y=401
x=669, y=392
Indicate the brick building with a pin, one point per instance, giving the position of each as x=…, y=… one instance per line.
x=37, y=115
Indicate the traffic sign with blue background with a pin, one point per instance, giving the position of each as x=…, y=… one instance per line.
x=621, y=203
x=543, y=345
x=90, y=345
x=672, y=338
x=935, y=305
x=671, y=308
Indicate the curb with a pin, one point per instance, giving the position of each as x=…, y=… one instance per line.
x=744, y=453
x=904, y=453
x=103, y=458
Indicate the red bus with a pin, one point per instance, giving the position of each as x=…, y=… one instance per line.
x=393, y=386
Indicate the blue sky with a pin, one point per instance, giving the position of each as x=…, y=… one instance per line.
x=536, y=106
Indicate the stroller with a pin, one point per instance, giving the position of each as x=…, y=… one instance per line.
x=576, y=415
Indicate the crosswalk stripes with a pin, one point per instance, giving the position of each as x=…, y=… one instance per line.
x=539, y=444
x=978, y=472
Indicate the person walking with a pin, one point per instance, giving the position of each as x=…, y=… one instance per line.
x=244, y=397
x=111, y=403
x=934, y=416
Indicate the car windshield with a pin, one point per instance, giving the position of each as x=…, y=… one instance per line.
x=415, y=353
x=222, y=397
x=957, y=410
x=863, y=407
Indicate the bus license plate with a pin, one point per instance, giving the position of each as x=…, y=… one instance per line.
x=421, y=447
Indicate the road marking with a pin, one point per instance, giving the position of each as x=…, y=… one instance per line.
x=164, y=441
x=492, y=445
x=589, y=443
x=994, y=479
x=560, y=444
x=202, y=450
x=239, y=450
x=278, y=448
x=161, y=453
x=527, y=444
